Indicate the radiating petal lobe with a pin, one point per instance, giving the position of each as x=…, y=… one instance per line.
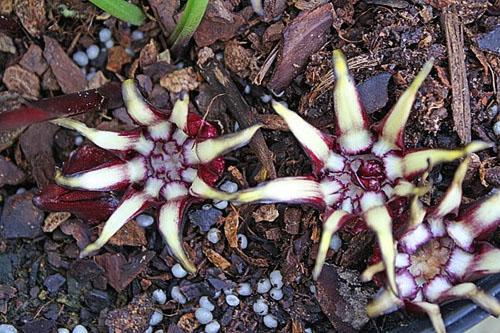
x=170, y=223
x=138, y=109
x=352, y=121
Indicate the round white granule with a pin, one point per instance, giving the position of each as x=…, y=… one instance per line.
x=212, y=327
x=335, y=242
x=104, y=35
x=276, y=294
x=79, y=329
x=159, y=296
x=270, y=321
x=206, y=304
x=156, y=318
x=203, y=316
x=242, y=241
x=178, y=271
x=144, y=220
x=232, y=300
x=213, y=235
x=260, y=307
x=80, y=58
x=6, y=328
x=59, y=330
x=177, y=295
x=263, y=286
x=276, y=279
x=92, y=51
x=244, y=289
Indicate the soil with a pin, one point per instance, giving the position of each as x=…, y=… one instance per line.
x=284, y=54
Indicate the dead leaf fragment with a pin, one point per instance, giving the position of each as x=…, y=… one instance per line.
x=231, y=224
x=54, y=220
x=180, y=80
x=131, y=235
x=117, y=57
x=33, y=60
x=218, y=260
x=266, y=213
x=188, y=323
x=7, y=44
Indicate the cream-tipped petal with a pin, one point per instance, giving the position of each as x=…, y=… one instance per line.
x=287, y=189
x=333, y=223
x=391, y=133
x=352, y=123
x=371, y=270
x=379, y=220
x=131, y=206
x=478, y=219
x=180, y=112
x=108, y=139
x=137, y=107
x=434, y=314
x=470, y=291
x=105, y=178
x=210, y=149
x=170, y=222
x=417, y=213
x=314, y=142
x=384, y=302
x=419, y=161
x=453, y=197
x=486, y=261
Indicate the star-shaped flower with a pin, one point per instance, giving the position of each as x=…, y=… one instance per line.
x=439, y=253
x=356, y=170
x=154, y=164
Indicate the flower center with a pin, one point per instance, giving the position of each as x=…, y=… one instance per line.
x=430, y=260
x=359, y=186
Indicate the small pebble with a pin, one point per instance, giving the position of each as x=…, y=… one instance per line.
x=144, y=220
x=129, y=51
x=266, y=98
x=219, y=56
x=78, y=140
x=137, y=35
x=260, y=307
x=206, y=304
x=212, y=327
x=177, y=295
x=496, y=128
x=244, y=289
x=270, y=321
x=335, y=243
x=232, y=300
x=5, y=328
x=109, y=44
x=248, y=89
x=228, y=291
x=263, y=286
x=80, y=58
x=312, y=289
x=104, y=35
x=79, y=329
x=62, y=330
x=89, y=76
x=213, y=235
x=276, y=294
x=203, y=316
x=149, y=330
x=229, y=187
x=159, y=296
x=243, y=241
x=221, y=204
x=308, y=330
x=93, y=51
x=156, y=318
x=493, y=111
x=20, y=190
x=179, y=65
x=159, y=331
x=276, y=279
x=178, y=271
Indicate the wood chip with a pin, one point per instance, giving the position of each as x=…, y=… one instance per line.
x=188, y=323
x=32, y=16
x=453, y=28
x=131, y=235
x=21, y=81
x=33, y=60
x=267, y=213
x=117, y=57
x=180, y=80
x=68, y=75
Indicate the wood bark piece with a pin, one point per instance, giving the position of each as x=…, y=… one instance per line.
x=219, y=79
x=453, y=29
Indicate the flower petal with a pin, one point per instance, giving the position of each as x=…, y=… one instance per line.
x=453, y=196
x=414, y=163
x=412, y=240
x=371, y=270
x=392, y=126
x=470, y=291
x=384, y=302
x=138, y=109
x=111, y=176
x=352, y=121
x=170, y=226
x=132, y=204
x=210, y=149
x=107, y=139
x=435, y=288
x=179, y=113
x=333, y=223
x=486, y=261
x=475, y=222
x=200, y=189
x=379, y=220
x=316, y=144
x=434, y=314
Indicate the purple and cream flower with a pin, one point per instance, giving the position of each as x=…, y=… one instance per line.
x=439, y=252
x=153, y=165
x=356, y=170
